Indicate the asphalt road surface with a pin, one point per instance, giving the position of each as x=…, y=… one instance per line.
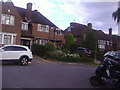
x=40, y=74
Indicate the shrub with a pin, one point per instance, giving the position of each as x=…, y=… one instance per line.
x=100, y=55
x=73, y=48
x=56, y=53
x=39, y=50
x=50, y=47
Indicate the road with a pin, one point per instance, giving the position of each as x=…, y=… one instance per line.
x=40, y=74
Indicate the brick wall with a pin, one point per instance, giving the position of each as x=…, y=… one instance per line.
x=17, y=23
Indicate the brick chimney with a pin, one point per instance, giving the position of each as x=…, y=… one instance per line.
x=110, y=31
x=29, y=11
x=89, y=25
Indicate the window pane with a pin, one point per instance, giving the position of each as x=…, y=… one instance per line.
x=9, y=39
x=7, y=20
x=12, y=20
x=9, y=48
x=3, y=18
x=24, y=26
x=5, y=39
x=14, y=39
x=39, y=27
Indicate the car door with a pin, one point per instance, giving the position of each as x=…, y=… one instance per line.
x=10, y=53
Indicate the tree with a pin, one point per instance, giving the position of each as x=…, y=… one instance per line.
x=116, y=15
x=69, y=41
x=90, y=41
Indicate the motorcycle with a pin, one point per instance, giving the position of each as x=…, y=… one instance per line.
x=108, y=72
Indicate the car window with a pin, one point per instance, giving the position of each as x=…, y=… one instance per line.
x=14, y=48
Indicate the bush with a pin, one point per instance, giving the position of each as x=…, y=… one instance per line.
x=56, y=53
x=73, y=48
x=39, y=50
x=50, y=47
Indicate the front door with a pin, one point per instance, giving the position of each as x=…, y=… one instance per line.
x=25, y=42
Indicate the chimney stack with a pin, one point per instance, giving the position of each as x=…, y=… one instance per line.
x=110, y=31
x=89, y=25
x=29, y=11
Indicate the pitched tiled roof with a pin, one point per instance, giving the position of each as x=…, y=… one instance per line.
x=37, y=17
x=101, y=35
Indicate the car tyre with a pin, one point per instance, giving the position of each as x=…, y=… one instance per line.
x=23, y=61
x=95, y=81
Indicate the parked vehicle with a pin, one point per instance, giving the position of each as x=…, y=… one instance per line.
x=83, y=51
x=16, y=53
x=108, y=72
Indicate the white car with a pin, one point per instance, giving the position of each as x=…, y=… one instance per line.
x=16, y=53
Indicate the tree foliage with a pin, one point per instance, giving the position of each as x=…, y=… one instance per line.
x=69, y=41
x=90, y=40
x=116, y=15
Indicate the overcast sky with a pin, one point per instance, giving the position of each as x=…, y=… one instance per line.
x=63, y=12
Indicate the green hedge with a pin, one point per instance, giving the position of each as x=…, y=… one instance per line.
x=39, y=50
x=73, y=59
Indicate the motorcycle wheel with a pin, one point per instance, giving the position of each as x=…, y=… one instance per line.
x=95, y=81
x=117, y=85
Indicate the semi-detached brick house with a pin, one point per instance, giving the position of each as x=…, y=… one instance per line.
x=24, y=26
x=104, y=41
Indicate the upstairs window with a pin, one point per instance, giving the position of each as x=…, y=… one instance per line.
x=24, y=26
x=7, y=19
x=43, y=28
x=58, y=31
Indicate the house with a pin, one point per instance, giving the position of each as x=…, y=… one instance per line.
x=10, y=21
x=78, y=30
x=27, y=26
x=104, y=41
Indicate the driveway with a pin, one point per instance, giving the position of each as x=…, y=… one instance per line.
x=44, y=74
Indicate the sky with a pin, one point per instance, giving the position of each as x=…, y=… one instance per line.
x=63, y=12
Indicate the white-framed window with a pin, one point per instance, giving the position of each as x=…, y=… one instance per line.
x=43, y=28
x=108, y=43
x=7, y=19
x=7, y=38
x=101, y=46
x=41, y=41
x=58, y=31
x=24, y=26
x=102, y=42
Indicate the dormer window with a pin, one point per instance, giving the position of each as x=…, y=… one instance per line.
x=7, y=19
x=24, y=26
x=43, y=28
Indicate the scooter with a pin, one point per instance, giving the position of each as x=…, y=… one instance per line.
x=108, y=72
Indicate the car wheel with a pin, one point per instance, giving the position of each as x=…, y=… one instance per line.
x=24, y=61
x=95, y=81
